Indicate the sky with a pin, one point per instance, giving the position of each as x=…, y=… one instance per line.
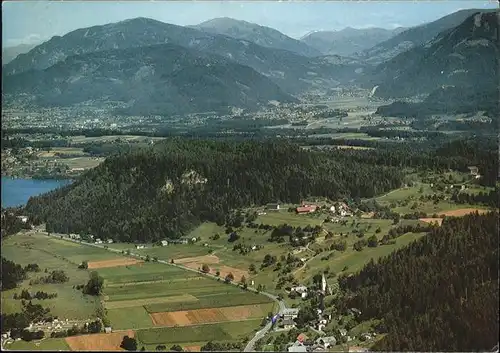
x=30, y=22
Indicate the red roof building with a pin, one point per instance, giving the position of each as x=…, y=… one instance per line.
x=306, y=209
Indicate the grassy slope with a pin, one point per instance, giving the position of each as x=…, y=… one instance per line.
x=70, y=303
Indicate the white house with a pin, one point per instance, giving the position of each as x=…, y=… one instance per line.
x=164, y=242
x=98, y=241
x=332, y=209
x=23, y=219
x=326, y=342
x=299, y=289
x=273, y=206
x=139, y=246
x=108, y=329
x=110, y=241
x=290, y=313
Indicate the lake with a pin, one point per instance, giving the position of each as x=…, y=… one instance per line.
x=16, y=192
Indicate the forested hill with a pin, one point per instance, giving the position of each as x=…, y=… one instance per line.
x=438, y=294
x=166, y=190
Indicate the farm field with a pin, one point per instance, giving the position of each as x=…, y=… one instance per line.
x=48, y=344
x=174, y=251
x=217, y=300
x=275, y=218
x=145, y=272
x=62, y=151
x=69, y=303
x=138, y=296
x=212, y=315
x=98, y=342
x=82, y=162
x=111, y=138
x=196, y=336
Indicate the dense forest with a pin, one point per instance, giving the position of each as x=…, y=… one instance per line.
x=161, y=191
x=150, y=193
x=437, y=294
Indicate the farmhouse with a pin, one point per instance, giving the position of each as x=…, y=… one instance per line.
x=23, y=219
x=290, y=313
x=164, y=242
x=302, y=337
x=300, y=289
x=139, y=246
x=473, y=170
x=179, y=241
x=288, y=324
x=110, y=241
x=98, y=241
x=108, y=329
x=273, y=206
x=326, y=342
x=306, y=209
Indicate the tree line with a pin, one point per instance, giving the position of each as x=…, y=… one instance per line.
x=144, y=195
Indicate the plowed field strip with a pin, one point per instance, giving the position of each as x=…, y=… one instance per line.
x=113, y=263
x=98, y=342
x=203, y=316
x=141, y=302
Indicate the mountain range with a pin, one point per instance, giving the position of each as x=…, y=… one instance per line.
x=159, y=79
x=415, y=36
x=125, y=61
x=261, y=35
x=348, y=41
x=464, y=56
x=292, y=72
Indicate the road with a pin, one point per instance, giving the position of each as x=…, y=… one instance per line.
x=261, y=333
x=258, y=335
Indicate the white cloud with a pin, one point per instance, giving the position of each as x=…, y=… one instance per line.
x=33, y=38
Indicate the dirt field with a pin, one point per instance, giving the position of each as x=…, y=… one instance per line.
x=213, y=262
x=113, y=263
x=430, y=220
x=98, y=342
x=192, y=349
x=141, y=302
x=203, y=316
x=463, y=211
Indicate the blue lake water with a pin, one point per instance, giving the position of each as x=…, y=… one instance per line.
x=16, y=192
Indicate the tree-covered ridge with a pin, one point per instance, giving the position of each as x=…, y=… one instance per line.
x=158, y=192
x=438, y=294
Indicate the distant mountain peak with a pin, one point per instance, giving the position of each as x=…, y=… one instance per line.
x=346, y=41
x=261, y=35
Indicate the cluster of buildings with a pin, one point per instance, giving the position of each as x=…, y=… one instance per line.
x=338, y=208
x=303, y=344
